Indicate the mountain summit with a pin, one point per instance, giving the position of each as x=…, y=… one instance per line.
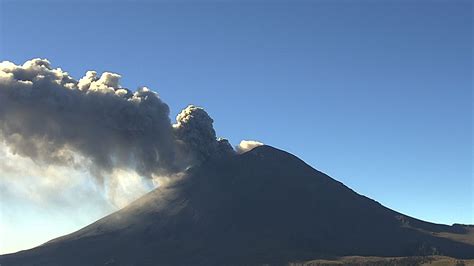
x=262, y=206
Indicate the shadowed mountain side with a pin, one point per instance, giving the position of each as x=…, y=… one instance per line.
x=263, y=206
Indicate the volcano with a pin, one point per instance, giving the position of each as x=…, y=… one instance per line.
x=264, y=206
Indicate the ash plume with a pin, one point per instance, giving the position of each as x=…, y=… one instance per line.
x=196, y=135
x=53, y=119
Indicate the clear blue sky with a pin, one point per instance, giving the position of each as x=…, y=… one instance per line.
x=378, y=94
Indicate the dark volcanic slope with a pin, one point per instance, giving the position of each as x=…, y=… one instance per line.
x=264, y=206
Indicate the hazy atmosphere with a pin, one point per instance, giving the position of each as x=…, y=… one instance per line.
x=101, y=102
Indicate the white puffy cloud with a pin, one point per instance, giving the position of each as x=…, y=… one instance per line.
x=247, y=145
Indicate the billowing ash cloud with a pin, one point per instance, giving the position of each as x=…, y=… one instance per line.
x=48, y=116
x=196, y=135
x=247, y=145
x=194, y=130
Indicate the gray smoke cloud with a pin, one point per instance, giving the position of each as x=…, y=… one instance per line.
x=196, y=135
x=50, y=117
